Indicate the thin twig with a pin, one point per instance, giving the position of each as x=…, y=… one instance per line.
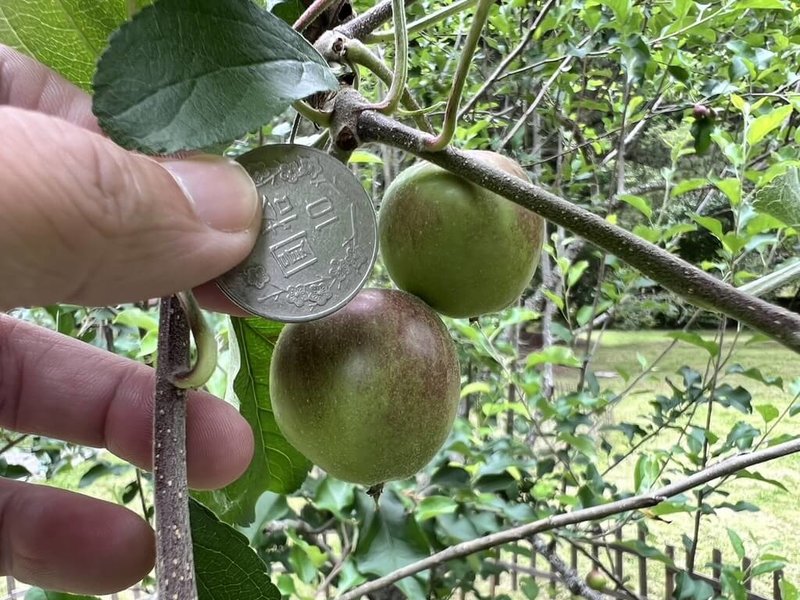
x=542, y=93
x=363, y=25
x=511, y=57
x=13, y=443
x=725, y=467
x=424, y=22
x=140, y=489
x=573, y=581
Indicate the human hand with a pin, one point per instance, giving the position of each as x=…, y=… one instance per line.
x=86, y=222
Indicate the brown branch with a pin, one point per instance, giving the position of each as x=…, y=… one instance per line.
x=363, y=25
x=725, y=467
x=174, y=559
x=675, y=274
x=571, y=579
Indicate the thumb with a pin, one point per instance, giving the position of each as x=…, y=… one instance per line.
x=87, y=222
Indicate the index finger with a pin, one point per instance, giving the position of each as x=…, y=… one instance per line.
x=26, y=83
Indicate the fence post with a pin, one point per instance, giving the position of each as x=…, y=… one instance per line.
x=776, y=584
x=618, y=555
x=514, y=559
x=573, y=557
x=748, y=583
x=716, y=567
x=642, y=566
x=669, y=574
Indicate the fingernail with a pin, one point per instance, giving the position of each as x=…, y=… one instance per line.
x=223, y=195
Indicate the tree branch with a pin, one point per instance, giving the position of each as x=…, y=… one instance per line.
x=573, y=581
x=725, y=467
x=684, y=279
x=174, y=559
x=362, y=26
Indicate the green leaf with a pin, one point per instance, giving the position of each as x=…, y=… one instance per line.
x=476, y=387
x=688, y=185
x=100, y=470
x=761, y=4
x=701, y=133
x=136, y=317
x=639, y=203
x=767, y=412
x=40, y=594
x=334, y=495
x=745, y=474
x=620, y=8
x=365, y=158
x=780, y=198
x=732, y=188
x=736, y=542
x=788, y=590
x=575, y=272
x=765, y=124
x=288, y=10
x=392, y=540
x=276, y=465
x=755, y=374
x=582, y=443
x=433, y=506
x=687, y=588
x=66, y=35
x=767, y=566
x=712, y=224
x=232, y=68
x=646, y=473
x=226, y=565
x=732, y=586
x=556, y=355
x=738, y=398
x=695, y=340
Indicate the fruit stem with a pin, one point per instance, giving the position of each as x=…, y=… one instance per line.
x=337, y=47
x=174, y=557
x=464, y=62
x=392, y=100
x=206, y=362
x=424, y=22
x=320, y=117
x=361, y=55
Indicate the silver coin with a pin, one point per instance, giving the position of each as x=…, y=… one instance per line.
x=318, y=239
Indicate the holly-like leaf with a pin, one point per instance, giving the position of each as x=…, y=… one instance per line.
x=780, y=198
x=276, y=465
x=188, y=74
x=226, y=566
x=392, y=540
x=66, y=35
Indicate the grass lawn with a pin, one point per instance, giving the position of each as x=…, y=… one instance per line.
x=776, y=527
